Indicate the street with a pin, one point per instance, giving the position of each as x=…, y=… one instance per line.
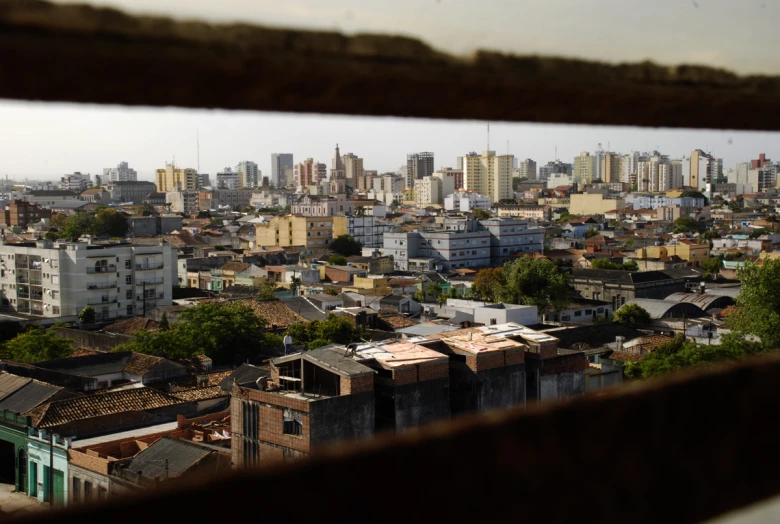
x=17, y=504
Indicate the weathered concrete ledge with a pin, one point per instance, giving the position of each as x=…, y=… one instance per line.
x=84, y=54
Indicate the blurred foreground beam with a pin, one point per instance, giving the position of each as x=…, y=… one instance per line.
x=680, y=450
x=84, y=54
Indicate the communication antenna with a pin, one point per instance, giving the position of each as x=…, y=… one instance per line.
x=556, y=153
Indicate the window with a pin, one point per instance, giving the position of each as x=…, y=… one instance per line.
x=127, y=264
x=55, y=279
x=55, y=294
x=128, y=294
x=129, y=309
x=55, y=310
x=588, y=311
x=87, y=490
x=293, y=423
x=129, y=279
x=76, y=490
x=578, y=313
x=102, y=493
x=492, y=321
x=565, y=318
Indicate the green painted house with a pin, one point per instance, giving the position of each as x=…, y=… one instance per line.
x=13, y=450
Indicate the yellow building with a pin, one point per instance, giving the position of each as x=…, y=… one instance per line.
x=489, y=175
x=595, y=204
x=688, y=250
x=172, y=178
x=611, y=168
x=584, y=168
x=370, y=286
x=295, y=230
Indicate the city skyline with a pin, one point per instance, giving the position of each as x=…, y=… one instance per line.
x=47, y=141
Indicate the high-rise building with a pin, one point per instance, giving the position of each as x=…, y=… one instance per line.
x=281, y=169
x=584, y=168
x=304, y=174
x=248, y=174
x=702, y=169
x=418, y=165
x=658, y=173
x=449, y=180
x=202, y=180
x=76, y=182
x=353, y=168
x=427, y=191
x=120, y=173
x=338, y=174
x=629, y=164
x=554, y=168
x=228, y=179
x=527, y=169
x=488, y=174
x=761, y=161
x=173, y=178
x=610, y=168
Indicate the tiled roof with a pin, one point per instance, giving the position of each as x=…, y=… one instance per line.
x=625, y=357
x=64, y=411
x=140, y=363
x=132, y=325
x=395, y=320
x=83, y=352
x=275, y=312
x=212, y=379
x=199, y=393
x=236, y=267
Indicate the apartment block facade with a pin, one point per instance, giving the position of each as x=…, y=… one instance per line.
x=295, y=230
x=172, y=178
x=488, y=174
x=20, y=213
x=58, y=280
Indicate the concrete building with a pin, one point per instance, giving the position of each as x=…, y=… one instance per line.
x=489, y=175
x=657, y=201
x=418, y=166
x=248, y=174
x=305, y=174
x=658, y=173
x=527, y=169
x=120, y=173
x=281, y=169
x=365, y=229
x=762, y=178
x=584, y=168
x=228, y=179
x=593, y=204
x=50, y=280
x=427, y=191
x=153, y=226
x=353, y=169
x=172, y=178
x=47, y=451
x=554, y=167
x=450, y=181
x=466, y=201
x=295, y=230
x=129, y=191
x=76, y=182
x=224, y=197
x=689, y=250
x=332, y=205
x=463, y=243
x=527, y=212
x=307, y=400
x=185, y=201
x=460, y=310
x=701, y=169
x=21, y=213
x=617, y=287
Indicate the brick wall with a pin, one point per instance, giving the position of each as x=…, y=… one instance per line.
x=271, y=454
x=564, y=364
x=184, y=422
x=359, y=384
x=86, y=461
x=404, y=375
x=514, y=356
x=433, y=371
x=490, y=360
x=272, y=430
x=274, y=399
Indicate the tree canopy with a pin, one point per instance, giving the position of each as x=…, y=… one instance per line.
x=632, y=315
x=105, y=222
x=481, y=213
x=758, y=304
x=686, y=225
x=317, y=333
x=337, y=260
x=36, y=345
x=605, y=263
x=528, y=281
x=346, y=246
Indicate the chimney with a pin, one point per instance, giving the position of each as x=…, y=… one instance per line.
x=619, y=342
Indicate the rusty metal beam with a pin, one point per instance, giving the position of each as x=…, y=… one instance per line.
x=84, y=54
x=680, y=450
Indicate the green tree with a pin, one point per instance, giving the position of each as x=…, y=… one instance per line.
x=535, y=282
x=77, y=225
x=712, y=265
x=88, y=315
x=346, y=245
x=418, y=296
x=685, y=225
x=489, y=283
x=109, y=222
x=318, y=333
x=481, y=213
x=267, y=290
x=604, y=263
x=337, y=260
x=332, y=291
x=164, y=324
x=36, y=345
x=758, y=304
x=630, y=265
x=632, y=315
x=591, y=232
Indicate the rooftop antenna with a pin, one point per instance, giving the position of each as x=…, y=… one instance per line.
x=556, y=153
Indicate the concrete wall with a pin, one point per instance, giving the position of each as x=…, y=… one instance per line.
x=92, y=339
x=97, y=480
x=413, y=404
x=341, y=418
x=562, y=385
x=502, y=387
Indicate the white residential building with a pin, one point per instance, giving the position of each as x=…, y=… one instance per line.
x=449, y=182
x=427, y=191
x=228, y=179
x=183, y=201
x=120, y=173
x=488, y=174
x=58, y=280
x=657, y=173
x=76, y=182
x=248, y=174
x=466, y=201
x=527, y=169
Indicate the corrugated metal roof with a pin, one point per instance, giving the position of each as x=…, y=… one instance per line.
x=664, y=308
x=732, y=292
x=29, y=396
x=11, y=383
x=167, y=458
x=703, y=300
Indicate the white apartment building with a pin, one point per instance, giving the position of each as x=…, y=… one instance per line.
x=462, y=243
x=527, y=169
x=58, y=280
x=559, y=180
x=76, y=182
x=655, y=201
x=248, y=174
x=427, y=191
x=659, y=174
x=228, y=179
x=183, y=201
x=488, y=174
x=120, y=173
x=449, y=182
x=466, y=201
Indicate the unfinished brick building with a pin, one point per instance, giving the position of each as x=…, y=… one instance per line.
x=309, y=399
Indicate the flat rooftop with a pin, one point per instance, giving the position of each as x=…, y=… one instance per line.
x=399, y=354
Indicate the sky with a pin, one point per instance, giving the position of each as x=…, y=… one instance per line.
x=44, y=140
x=49, y=140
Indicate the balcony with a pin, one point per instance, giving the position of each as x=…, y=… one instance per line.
x=105, y=299
x=101, y=269
x=106, y=316
x=149, y=267
x=150, y=281
x=102, y=285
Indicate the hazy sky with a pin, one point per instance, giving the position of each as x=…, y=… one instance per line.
x=52, y=139
x=737, y=34
x=49, y=140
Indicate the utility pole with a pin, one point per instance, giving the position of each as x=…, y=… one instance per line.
x=51, y=469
